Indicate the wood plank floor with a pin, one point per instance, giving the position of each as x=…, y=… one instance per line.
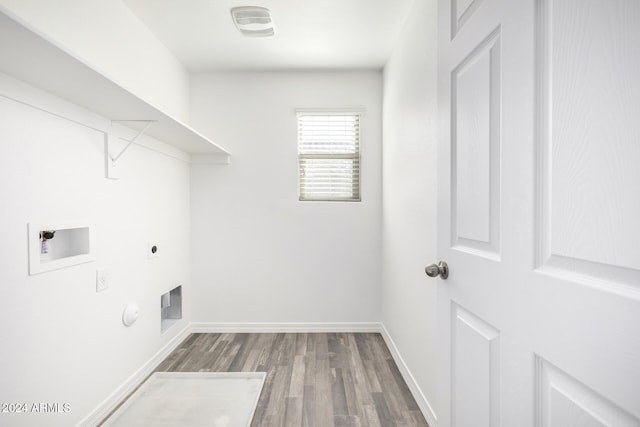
x=316, y=379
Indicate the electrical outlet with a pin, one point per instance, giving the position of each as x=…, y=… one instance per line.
x=102, y=279
x=153, y=250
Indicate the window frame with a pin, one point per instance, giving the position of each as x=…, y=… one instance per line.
x=357, y=155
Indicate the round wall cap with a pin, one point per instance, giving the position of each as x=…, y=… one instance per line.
x=130, y=314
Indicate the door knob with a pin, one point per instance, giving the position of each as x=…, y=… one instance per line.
x=433, y=270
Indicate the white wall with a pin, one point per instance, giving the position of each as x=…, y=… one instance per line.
x=61, y=341
x=106, y=35
x=260, y=255
x=410, y=195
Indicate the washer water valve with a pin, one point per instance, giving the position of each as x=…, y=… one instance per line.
x=45, y=236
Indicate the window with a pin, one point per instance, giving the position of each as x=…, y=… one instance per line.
x=329, y=156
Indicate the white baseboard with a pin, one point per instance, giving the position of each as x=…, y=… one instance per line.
x=110, y=403
x=219, y=327
x=421, y=400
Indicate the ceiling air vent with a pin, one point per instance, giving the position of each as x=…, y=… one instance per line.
x=253, y=21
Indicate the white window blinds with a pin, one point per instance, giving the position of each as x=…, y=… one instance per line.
x=329, y=156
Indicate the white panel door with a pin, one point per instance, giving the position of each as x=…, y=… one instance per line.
x=539, y=213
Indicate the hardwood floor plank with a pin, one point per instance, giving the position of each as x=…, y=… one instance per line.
x=346, y=421
x=370, y=374
x=240, y=355
x=353, y=402
x=363, y=349
x=251, y=362
x=358, y=367
x=260, y=416
x=411, y=403
x=293, y=417
x=296, y=388
x=324, y=401
x=321, y=346
x=309, y=406
x=384, y=415
x=310, y=368
x=371, y=415
x=265, y=344
x=301, y=344
x=334, y=348
x=279, y=391
x=338, y=393
x=276, y=353
x=391, y=393
x=288, y=350
x=215, y=354
x=418, y=419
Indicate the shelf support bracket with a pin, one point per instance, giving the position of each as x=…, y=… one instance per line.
x=131, y=141
x=111, y=136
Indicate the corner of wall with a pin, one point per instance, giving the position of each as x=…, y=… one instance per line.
x=409, y=222
x=425, y=406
